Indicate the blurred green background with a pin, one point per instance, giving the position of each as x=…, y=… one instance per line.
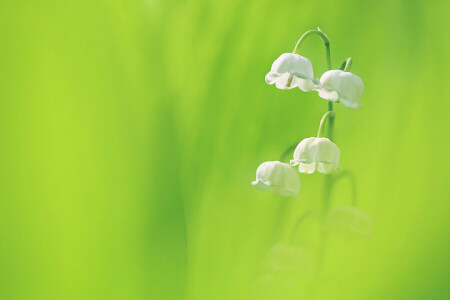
x=131, y=131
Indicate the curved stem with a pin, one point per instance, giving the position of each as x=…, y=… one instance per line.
x=300, y=222
x=326, y=43
x=287, y=151
x=324, y=39
x=352, y=179
x=328, y=114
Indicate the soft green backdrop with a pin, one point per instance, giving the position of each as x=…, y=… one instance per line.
x=130, y=132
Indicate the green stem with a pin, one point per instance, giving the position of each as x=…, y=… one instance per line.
x=329, y=114
x=300, y=222
x=331, y=121
x=287, y=152
x=326, y=43
x=328, y=184
x=352, y=179
x=324, y=39
x=346, y=64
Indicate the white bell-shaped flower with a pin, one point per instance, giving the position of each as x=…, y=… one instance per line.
x=349, y=221
x=340, y=86
x=287, y=273
x=292, y=70
x=278, y=177
x=316, y=155
x=288, y=258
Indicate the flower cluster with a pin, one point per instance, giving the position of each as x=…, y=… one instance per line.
x=291, y=70
x=293, y=268
x=314, y=154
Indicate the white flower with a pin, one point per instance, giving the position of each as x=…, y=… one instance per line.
x=290, y=71
x=278, y=177
x=287, y=258
x=340, y=86
x=349, y=221
x=316, y=154
x=287, y=273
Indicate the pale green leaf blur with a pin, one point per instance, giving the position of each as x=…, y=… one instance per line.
x=130, y=132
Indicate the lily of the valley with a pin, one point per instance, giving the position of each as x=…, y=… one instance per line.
x=287, y=270
x=292, y=70
x=316, y=154
x=278, y=177
x=341, y=86
x=290, y=259
x=349, y=221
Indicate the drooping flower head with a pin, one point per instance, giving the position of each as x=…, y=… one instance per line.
x=349, y=221
x=316, y=155
x=341, y=86
x=289, y=258
x=278, y=177
x=290, y=71
x=287, y=272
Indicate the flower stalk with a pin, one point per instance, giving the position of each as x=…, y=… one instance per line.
x=328, y=178
x=314, y=154
x=326, y=43
x=324, y=39
x=329, y=114
x=346, y=65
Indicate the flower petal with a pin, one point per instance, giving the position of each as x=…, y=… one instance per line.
x=316, y=155
x=348, y=87
x=306, y=85
x=295, y=64
x=286, y=82
x=272, y=77
x=326, y=168
x=263, y=186
x=292, y=70
x=350, y=104
x=307, y=168
x=328, y=95
x=279, y=177
x=349, y=221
